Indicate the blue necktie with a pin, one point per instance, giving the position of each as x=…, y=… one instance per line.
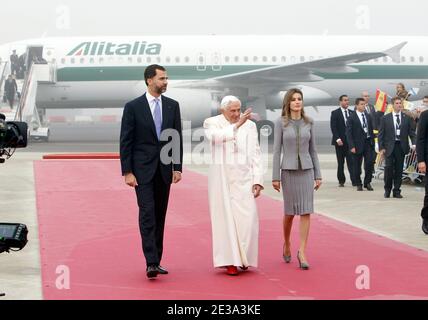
x=158, y=118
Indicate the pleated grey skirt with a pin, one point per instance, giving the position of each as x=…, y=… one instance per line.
x=298, y=191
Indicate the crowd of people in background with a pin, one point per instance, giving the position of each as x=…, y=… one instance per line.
x=379, y=137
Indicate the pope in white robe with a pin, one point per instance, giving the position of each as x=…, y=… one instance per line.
x=235, y=179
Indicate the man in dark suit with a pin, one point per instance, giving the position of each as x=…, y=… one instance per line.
x=371, y=110
x=151, y=124
x=395, y=131
x=338, y=120
x=359, y=132
x=422, y=154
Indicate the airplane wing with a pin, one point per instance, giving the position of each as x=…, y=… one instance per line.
x=300, y=72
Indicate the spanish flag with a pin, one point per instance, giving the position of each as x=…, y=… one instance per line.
x=381, y=100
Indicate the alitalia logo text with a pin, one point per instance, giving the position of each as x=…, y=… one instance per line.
x=110, y=49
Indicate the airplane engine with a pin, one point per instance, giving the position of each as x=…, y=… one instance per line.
x=312, y=97
x=195, y=105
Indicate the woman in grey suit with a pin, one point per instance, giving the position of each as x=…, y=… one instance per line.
x=298, y=172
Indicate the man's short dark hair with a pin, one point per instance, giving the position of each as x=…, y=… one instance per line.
x=150, y=72
x=342, y=96
x=395, y=99
x=426, y=97
x=358, y=100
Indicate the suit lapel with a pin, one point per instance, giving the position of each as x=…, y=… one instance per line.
x=166, y=113
x=341, y=116
x=148, y=115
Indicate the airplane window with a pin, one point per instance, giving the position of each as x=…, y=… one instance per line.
x=302, y=59
x=274, y=59
x=82, y=60
x=158, y=59
x=177, y=59
x=63, y=60
x=101, y=60
x=187, y=59
x=311, y=58
x=412, y=59
x=255, y=59
x=139, y=60
x=376, y=60
x=149, y=60
x=227, y=59
x=72, y=60
x=421, y=59
x=236, y=59
x=403, y=59
x=130, y=60
x=385, y=59
x=265, y=59
x=283, y=59
x=246, y=59
x=92, y=60
x=168, y=59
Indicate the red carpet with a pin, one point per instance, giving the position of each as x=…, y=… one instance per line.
x=88, y=222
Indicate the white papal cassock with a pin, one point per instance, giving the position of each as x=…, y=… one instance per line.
x=235, y=167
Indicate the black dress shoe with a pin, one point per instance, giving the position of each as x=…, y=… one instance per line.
x=162, y=270
x=341, y=185
x=152, y=272
x=425, y=226
x=397, y=196
x=387, y=194
x=369, y=187
x=360, y=188
x=354, y=185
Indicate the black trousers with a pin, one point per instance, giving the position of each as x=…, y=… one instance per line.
x=424, y=212
x=394, y=169
x=342, y=154
x=367, y=155
x=153, y=203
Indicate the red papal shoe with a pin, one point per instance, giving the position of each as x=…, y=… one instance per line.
x=232, y=270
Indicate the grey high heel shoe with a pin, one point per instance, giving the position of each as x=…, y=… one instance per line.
x=302, y=265
x=286, y=258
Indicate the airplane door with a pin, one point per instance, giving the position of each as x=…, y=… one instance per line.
x=34, y=53
x=49, y=55
x=216, y=62
x=201, y=62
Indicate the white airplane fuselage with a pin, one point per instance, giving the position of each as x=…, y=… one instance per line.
x=108, y=72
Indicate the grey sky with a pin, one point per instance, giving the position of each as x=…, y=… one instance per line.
x=33, y=19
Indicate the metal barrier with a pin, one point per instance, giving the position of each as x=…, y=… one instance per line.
x=410, y=168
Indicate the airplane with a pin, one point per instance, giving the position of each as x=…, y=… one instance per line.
x=106, y=72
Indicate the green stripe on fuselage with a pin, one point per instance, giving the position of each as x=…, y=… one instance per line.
x=132, y=73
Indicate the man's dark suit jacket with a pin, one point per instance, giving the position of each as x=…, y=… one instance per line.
x=139, y=145
x=387, y=134
x=422, y=139
x=355, y=133
x=338, y=127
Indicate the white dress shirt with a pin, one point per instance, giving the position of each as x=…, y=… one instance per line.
x=396, y=126
x=152, y=104
x=360, y=116
x=344, y=114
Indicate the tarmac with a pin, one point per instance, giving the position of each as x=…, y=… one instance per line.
x=20, y=272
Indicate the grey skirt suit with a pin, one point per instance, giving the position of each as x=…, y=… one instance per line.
x=296, y=165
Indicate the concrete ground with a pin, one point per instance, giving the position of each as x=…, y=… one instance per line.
x=20, y=272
